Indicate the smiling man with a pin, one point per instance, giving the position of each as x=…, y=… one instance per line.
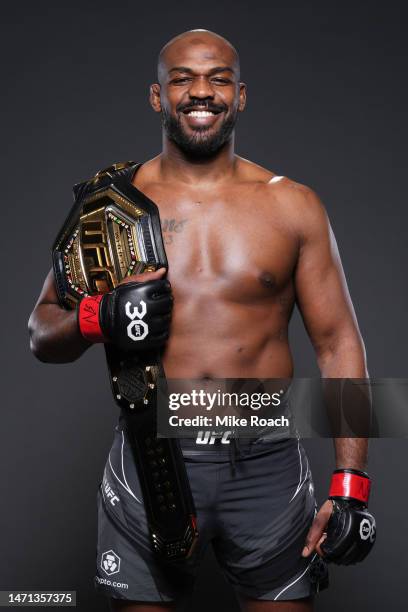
x=244, y=246
x=198, y=129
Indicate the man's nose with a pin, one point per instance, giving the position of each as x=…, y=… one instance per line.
x=201, y=88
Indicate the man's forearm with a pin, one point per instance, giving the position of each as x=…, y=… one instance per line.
x=347, y=360
x=351, y=453
x=54, y=334
x=343, y=359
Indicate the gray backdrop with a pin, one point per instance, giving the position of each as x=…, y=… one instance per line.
x=327, y=106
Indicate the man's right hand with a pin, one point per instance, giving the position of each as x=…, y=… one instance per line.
x=135, y=316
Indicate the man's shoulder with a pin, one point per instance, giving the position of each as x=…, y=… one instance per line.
x=281, y=190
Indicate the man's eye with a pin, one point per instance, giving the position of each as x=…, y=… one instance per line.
x=180, y=80
x=221, y=80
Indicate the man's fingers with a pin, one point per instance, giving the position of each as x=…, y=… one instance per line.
x=146, y=276
x=316, y=533
x=318, y=545
x=313, y=537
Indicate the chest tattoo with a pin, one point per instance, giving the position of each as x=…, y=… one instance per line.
x=171, y=227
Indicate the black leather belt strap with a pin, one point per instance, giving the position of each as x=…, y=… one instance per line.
x=161, y=469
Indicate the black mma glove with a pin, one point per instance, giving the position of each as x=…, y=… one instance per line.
x=134, y=316
x=351, y=529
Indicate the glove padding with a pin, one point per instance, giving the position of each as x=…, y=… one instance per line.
x=351, y=533
x=134, y=316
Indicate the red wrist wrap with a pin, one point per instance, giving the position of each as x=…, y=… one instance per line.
x=344, y=484
x=88, y=318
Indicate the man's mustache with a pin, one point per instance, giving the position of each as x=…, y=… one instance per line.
x=203, y=104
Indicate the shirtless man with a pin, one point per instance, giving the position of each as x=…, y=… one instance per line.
x=243, y=246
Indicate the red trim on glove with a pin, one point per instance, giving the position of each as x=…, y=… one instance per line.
x=88, y=318
x=344, y=484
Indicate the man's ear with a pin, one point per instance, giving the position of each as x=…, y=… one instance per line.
x=154, y=97
x=242, y=96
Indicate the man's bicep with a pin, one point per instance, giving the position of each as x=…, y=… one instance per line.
x=48, y=293
x=321, y=289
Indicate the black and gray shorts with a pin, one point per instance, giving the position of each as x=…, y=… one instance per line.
x=255, y=511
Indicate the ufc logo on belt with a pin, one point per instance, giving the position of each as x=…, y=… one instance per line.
x=137, y=329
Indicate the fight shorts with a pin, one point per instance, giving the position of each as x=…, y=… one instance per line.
x=255, y=503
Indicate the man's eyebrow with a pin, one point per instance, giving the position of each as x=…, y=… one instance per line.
x=212, y=71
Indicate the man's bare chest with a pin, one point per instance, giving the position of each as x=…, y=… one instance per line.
x=234, y=243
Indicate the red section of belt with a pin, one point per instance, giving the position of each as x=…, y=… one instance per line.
x=88, y=318
x=344, y=484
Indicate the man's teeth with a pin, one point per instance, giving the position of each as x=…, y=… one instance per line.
x=200, y=114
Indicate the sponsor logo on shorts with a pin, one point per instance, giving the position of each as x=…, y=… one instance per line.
x=367, y=530
x=110, y=562
x=112, y=583
x=109, y=492
x=209, y=437
x=137, y=329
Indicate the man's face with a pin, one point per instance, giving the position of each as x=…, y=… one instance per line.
x=199, y=95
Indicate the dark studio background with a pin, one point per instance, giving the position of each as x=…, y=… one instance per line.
x=327, y=99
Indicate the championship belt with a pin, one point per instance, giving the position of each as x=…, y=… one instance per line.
x=113, y=231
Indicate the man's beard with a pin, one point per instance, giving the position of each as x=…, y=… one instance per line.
x=203, y=142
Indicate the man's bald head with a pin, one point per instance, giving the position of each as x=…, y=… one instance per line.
x=210, y=43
